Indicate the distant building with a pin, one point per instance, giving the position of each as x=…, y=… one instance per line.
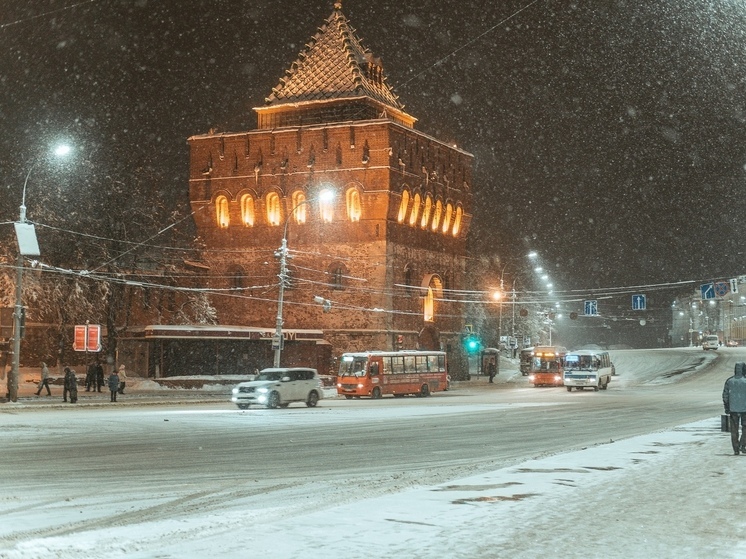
x=383, y=253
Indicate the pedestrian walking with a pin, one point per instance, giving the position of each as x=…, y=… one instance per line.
x=114, y=385
x=491, y=369
x=44, y=380
x=70, y=386
x=99, y=375
x=734, y=401
x=122, y=379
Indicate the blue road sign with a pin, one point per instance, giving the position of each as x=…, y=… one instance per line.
x=639, y=302
x=591, y=307
x=707, y=290
x=721, y=288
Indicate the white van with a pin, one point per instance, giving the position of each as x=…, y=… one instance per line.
x=711, y=342
x=587, y=368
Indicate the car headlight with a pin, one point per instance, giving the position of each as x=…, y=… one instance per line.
x=262, y=390
x=235, y=391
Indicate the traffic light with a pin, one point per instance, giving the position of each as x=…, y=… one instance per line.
x=472, y=344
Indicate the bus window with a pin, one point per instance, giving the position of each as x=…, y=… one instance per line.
x=409, y=364
x=423, y=364
x=374, y=369
x=397, y=365
x=387, y=370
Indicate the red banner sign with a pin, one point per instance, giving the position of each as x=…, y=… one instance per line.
x=87, y=337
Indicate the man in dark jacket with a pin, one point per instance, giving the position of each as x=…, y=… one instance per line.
x=491, y=370
x=734, y=401
x=113, y=385
x=70, y=386
x=99, y=375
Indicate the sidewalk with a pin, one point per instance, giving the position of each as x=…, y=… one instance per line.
x=138, y=390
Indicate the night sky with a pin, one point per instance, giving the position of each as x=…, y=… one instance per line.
x=609, y=135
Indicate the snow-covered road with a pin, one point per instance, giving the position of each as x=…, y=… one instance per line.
x=673, y=493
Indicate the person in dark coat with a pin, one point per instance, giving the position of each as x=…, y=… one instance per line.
x=90, y=377
x=114, y=385
x=99, y=375
x=734, y=401
x=491, y=369
x=44, y=380
x=70, y=386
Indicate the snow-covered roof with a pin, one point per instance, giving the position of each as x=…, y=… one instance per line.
x=334, y=65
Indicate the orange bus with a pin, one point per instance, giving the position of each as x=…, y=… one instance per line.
x=375, y=373
x=547, y=366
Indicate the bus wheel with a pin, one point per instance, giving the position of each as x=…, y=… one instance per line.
x=595, y=388
x=606, y=385
x=376, y=393
x=424, y=391
x=569, y=388
x=348, y=397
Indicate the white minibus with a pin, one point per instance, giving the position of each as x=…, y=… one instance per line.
x=711, y=342
x=587, y=368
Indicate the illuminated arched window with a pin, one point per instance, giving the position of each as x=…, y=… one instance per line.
x=447, y=217
x=434, y=291
x=426, y=212
x=274, y=211
x=299, y=207
x=437, y=215
x=415, y=210
x=457, y=221
x=354, y=210
x=247, y=210
x=326, y=209
x=403, y=206
x=222, y=212
x=429, y=310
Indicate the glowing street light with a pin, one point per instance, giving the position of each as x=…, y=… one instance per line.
x=27, y=246
x=325, y=196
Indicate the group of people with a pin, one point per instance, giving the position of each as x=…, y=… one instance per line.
x=93, y=382
x=94, y=377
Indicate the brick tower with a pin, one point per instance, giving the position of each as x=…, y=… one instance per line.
x=383, y=255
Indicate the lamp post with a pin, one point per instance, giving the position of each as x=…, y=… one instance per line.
x=27, y=246
x=277, y=339
x=498, y=296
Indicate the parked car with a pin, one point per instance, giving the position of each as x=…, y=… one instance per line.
x=279, y=387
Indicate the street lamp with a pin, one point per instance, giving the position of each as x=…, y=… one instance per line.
x=325, y=196
x=27, y=246
x=498, y=296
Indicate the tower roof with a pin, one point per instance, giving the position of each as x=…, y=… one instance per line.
x=334, y=66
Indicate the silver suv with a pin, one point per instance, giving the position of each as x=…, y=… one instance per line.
x=278, y=387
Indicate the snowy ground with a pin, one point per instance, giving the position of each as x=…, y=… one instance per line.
x=677, y=493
